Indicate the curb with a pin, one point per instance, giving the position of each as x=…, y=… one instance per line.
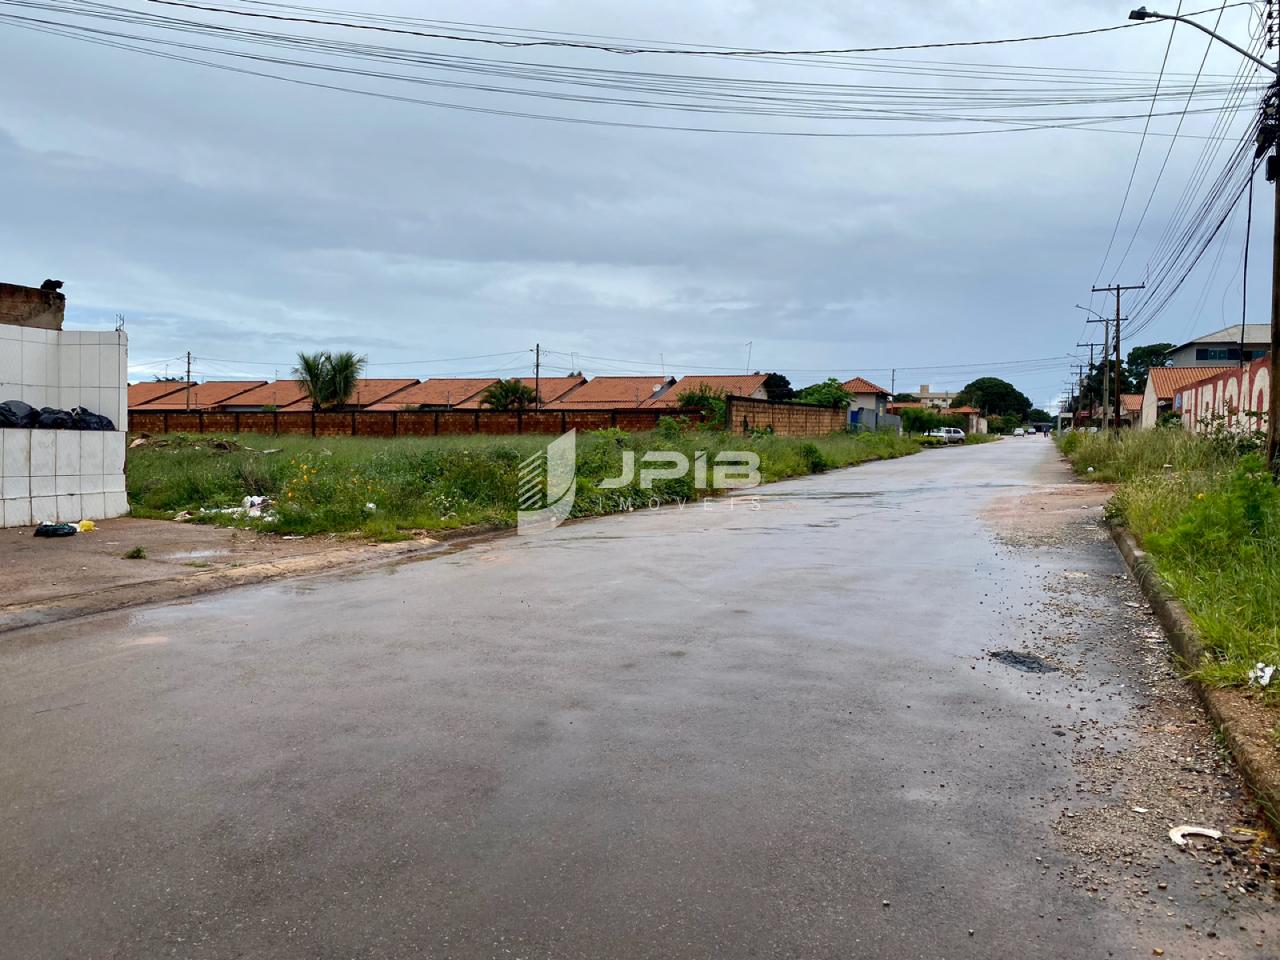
x=1253, y=754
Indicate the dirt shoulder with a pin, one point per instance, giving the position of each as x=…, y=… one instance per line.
x=48, y=580
x=1146, y=751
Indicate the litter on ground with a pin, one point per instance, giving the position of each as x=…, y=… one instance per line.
x=1179, y=834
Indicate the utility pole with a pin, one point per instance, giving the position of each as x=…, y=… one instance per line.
x=1118, y=289
x=1268, y=135
x=188, y=381
x=749, y=343
x=1091, y=364
x=1106, y=367
x=893, y=382
x=537, y=375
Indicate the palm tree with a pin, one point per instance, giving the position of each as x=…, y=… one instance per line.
x=508, y=395
x=329, y=378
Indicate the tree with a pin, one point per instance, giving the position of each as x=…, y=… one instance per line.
x=513, y=394
x=778, y=387
x=1036, y=415
x=828, y=393
x=1142, y=359
x=329, y=378
x=905, y=398
x=994, y=397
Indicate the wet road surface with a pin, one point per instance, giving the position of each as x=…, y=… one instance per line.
x=765, y=730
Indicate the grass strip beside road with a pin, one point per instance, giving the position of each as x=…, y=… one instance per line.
x=1207, y=513
x=326, y=485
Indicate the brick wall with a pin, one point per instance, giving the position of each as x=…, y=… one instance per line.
x=399, y=423
x=786, y=419
x=31, y=306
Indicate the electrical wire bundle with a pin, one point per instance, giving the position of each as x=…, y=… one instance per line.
x=898, y=97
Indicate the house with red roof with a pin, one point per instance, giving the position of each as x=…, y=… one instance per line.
x=745, y=385
x=1163, y=383
x=436, y=393
x=613, y=393
x=202, y=396
x=865, y=395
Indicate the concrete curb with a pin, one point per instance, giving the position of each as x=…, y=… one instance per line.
x=1253, y=754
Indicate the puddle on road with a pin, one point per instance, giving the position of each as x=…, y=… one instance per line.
x=1026, y=662
x=195, y=555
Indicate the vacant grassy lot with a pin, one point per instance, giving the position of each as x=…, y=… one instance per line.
x=436, y=483
x=1207, y=512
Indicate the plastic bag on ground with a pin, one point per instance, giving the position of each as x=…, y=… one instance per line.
x=47, y=529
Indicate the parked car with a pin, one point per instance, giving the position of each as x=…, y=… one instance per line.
x=948, y=434
x=1019, y=432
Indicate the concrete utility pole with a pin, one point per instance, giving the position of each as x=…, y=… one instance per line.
x=1117, y=289
x=1268, y=134
x=537, y=375
x=188, y=381
x=1104, y=369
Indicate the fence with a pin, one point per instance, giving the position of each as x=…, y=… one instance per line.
x=785, y=418
x=398, y=423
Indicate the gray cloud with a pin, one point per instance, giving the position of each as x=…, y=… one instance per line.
x=244, y=219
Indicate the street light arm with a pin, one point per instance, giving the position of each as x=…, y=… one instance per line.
x=1142, y=13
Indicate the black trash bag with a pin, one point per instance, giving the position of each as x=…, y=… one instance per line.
x=85, y=420
x=51, y=419
x=15, y=413
x=47, y=529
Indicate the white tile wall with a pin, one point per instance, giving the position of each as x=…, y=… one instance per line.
x=63, y=474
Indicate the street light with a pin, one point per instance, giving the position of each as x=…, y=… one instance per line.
x=1267, y=137
x=1142, y=13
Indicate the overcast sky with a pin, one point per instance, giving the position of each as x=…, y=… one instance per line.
x=245, y=219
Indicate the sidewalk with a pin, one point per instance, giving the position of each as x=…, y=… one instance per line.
x=53, y=579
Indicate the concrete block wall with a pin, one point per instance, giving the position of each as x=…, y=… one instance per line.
x=61, y=476
x=65, y=369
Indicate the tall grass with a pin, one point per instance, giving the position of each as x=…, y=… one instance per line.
x=383, y=488
x=1209, y=519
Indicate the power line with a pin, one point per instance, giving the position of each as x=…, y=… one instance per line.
x=1138, y=156
x=633, y=50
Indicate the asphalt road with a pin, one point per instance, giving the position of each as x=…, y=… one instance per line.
x=765, y=731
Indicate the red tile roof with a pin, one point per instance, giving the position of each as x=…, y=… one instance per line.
x=612, y=392
x=148, y=390
x=290, y=394
x=945, y=411
x=738, y=386
x=202, y=397
x=435, y=392
x=1169, y=380
x=1131, y=401
x=863, y=385
x=278, y=394
x=550, y=389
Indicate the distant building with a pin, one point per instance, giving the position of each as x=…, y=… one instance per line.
x=438, y=393
x=938, y=399
x=1223, y=346
x=747, y=385
x=865, y=395
x=611, y=393
x=1163, y=383
x=550, y=389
